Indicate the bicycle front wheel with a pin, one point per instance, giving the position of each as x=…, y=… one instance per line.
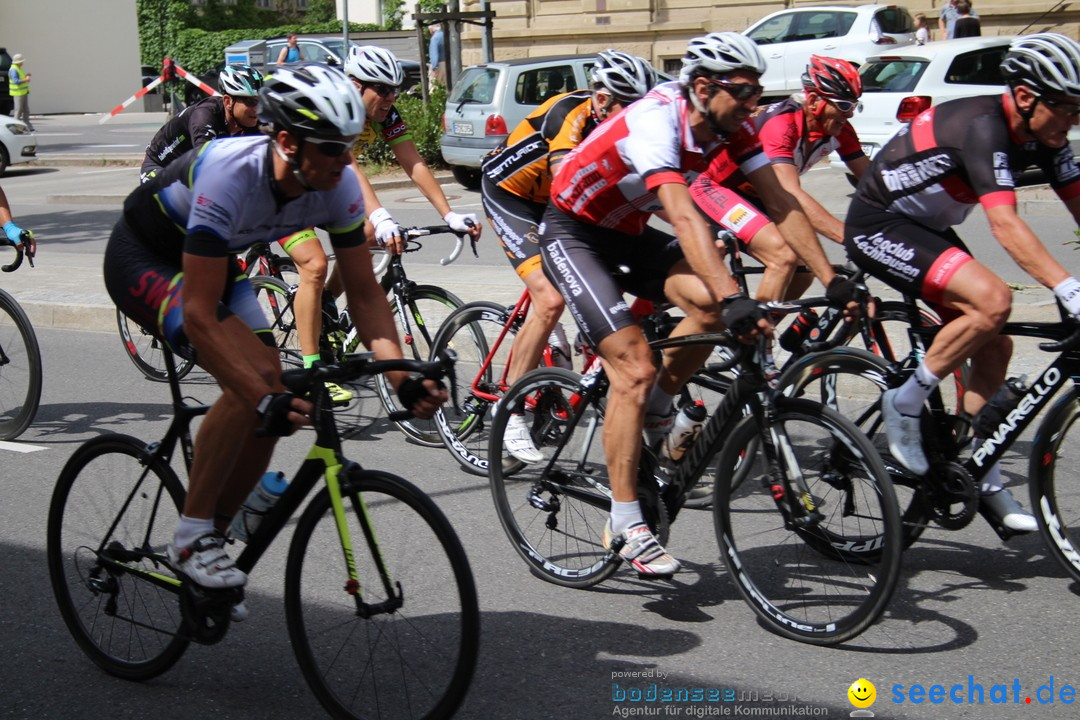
x=1055, y=491
x=826, y=576
x=20, y=369
x=426, y=308
x=276, y=300
x=146, y=351
x=473, y=332
x=402, y=641
x=110, y=519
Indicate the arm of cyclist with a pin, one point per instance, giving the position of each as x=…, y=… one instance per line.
x=698, y=246
x=414, y=166
x=204, y=282
x=820, y=219
x=377, y=332
x=11, y=230
x=1031, y=255
x=382, y=229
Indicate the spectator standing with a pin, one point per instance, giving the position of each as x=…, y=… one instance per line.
x=948, y=18
x=436, y=56
x=291, y=53
x=966, y=25
x=19, y=89
x=922, y=31
x=6, y=105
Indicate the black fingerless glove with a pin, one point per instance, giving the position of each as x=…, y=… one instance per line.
x=273, y=409
x=841, y=291
x=740, y=313
x=412, y=391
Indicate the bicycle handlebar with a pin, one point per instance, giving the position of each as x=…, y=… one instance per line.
x=1067, y=343
x=421, y=231
x=20, y=251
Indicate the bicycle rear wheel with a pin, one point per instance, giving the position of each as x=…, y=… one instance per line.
x=428, y=307
x=1054, y=487
x=146, y=351
x=110, y=520
x=403, y=642
x=276, y=300
x=812, y=583
x=20, y=369
x=472, y=332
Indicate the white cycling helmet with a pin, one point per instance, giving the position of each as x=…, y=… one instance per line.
x=240, y=81
x=719, y=53
x=370, y=64
x=627, y=77
x=311, y=100
x=1045, y=63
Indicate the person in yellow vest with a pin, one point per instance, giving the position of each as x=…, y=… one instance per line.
x=19, y=89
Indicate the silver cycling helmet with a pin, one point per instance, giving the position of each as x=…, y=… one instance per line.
x=240, y=81
x=627, y=77
x=1045, y=63
x=719, y=53
x=311, y=100
x=370, y=64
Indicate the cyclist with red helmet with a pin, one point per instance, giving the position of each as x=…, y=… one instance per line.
x=795, y=135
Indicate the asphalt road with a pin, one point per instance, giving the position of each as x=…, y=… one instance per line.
x=967, y=604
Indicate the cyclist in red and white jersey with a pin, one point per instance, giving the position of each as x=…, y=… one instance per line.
x=929, y=177
x=632, y=166
x=794, y=134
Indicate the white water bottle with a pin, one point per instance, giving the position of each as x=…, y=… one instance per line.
x=258, y=503
x=688, y=422
x=560, y=348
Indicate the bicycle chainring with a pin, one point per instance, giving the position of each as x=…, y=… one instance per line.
x=207, y=613
x=951, y=496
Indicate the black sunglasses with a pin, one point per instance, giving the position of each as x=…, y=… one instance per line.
x=249, y=100
x=384, y=90
x=1061, y=107
x=331, y=148
x=739, y=91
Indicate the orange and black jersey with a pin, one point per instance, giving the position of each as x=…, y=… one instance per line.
x=522, y=165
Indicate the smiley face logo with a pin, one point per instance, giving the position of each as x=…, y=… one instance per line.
x=862, y=693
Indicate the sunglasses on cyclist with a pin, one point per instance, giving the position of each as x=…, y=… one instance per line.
x=739, y=91
x=1061, y=107
x=248, y=100
x=384, y=90
x=331, y=148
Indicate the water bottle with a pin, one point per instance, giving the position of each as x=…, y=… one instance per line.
x=1006, y=398
x=258, y=503
x=560, y=348
x=688, y=422
x=799, y=330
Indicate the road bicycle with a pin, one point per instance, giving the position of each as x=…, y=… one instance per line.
x=20, y=358
x=789, y=515
x=427, y=306
x=948, y=496
x=145, y=350
x=380, y=601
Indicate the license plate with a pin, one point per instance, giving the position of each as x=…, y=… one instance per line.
x=463, y=128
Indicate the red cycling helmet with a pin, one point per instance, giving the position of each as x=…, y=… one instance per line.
x=832, y=79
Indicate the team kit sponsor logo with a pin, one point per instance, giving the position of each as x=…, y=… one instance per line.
x=896, y=256
x=917, y=174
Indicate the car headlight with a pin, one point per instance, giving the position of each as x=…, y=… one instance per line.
x=18, y=129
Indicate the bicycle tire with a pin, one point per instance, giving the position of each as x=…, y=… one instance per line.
x=430, y=642
x=860, y=401
x=90, y=495
x=1053, y=488
x=429, y=307
x=802, y=582
x=554, y=511
x=20, y=369
x=276, y=299
x=146, y=352
x=471, y=332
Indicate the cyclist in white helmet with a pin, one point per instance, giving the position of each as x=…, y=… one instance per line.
x=175, y=248
x=378, y=77
x=927, y=179
x=515, y=184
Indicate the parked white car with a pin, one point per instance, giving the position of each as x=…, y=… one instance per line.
x=788, y=38
x=17, y=143
x=900, y=85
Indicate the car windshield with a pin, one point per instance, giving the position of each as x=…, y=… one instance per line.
x=892, y=75
x=476, y=85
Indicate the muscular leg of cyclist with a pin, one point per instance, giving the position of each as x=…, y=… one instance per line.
x=307, y=253
x=683, y=288
x=780, y=280
x=547, y=306
x=629, y=364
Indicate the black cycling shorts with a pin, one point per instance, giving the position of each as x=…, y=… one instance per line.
x=593, y=266
x=516, y=222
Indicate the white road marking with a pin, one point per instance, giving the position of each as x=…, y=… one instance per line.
x=20, y=448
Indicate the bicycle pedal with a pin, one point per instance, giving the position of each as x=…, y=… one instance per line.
x=654, y=576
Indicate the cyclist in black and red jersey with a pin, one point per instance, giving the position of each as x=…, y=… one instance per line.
x=795, y=135
x=927, y=179
x=515, y=185
x=231, y=113
x=632, y=166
